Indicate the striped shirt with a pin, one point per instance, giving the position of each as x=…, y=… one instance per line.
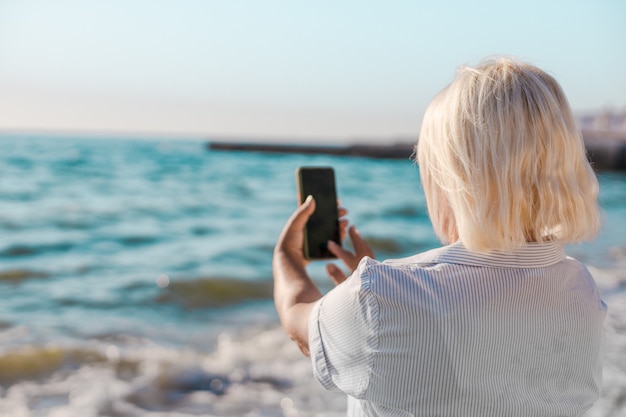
x=456, y=333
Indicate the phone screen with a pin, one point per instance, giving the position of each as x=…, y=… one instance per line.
x=323, y=225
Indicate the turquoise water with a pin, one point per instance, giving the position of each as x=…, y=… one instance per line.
x=143, y=267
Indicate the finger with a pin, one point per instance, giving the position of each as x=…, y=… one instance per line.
x=346, y=256
x=361, y=248
x=335, y=273
x=343, y=227
x=342, y=211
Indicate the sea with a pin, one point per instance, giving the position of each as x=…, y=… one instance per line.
x=135, y=275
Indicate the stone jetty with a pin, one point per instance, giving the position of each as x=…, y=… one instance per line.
x=606, y=150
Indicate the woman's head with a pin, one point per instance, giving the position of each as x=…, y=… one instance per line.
x=502, y=161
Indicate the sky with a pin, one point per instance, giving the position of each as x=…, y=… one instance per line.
x=330, y=71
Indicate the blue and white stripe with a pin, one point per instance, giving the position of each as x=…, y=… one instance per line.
x=455, y=333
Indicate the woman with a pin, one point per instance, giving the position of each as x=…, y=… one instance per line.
x=498, y=322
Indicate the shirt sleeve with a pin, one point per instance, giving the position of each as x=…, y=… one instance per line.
x=343, y=336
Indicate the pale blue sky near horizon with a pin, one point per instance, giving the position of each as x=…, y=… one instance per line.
x=329, y=70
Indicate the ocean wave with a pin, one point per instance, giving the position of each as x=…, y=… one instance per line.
x=137, y=240
x=410, y=211
x=23, y=196
x=34, y=362
x=256, y=372
x=609, y=281
x=259, y=372
x=618, y=253
x=213, y=292
x=19, y=250
x=202, y=230
x=74, y=224
x=395, y=247
x=92, y=304
x=250, y=255
x=16, y=276
x=10, y=225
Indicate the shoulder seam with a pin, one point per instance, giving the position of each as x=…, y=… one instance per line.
x=372, y=302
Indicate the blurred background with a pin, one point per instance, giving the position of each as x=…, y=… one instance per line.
x=332, y=71
x=135, y=261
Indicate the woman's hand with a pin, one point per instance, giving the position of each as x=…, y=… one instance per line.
x=291, y=239
x=350, y=259
x=294, y=291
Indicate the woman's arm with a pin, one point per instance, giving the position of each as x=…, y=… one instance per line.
x=294, y=292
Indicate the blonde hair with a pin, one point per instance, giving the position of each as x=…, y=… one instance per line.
x=502, y=162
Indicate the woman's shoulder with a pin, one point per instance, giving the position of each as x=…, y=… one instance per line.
x=427, y=258
x=370, y=269
x=373, y=273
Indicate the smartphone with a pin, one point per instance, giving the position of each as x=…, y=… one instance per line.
x=323, y=225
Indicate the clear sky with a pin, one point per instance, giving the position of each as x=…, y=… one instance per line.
x=284, y=70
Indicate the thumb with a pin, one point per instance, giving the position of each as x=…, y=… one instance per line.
x=302, y=213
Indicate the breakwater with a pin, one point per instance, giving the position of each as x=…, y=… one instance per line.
x=606, y=150
x=394, y=151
